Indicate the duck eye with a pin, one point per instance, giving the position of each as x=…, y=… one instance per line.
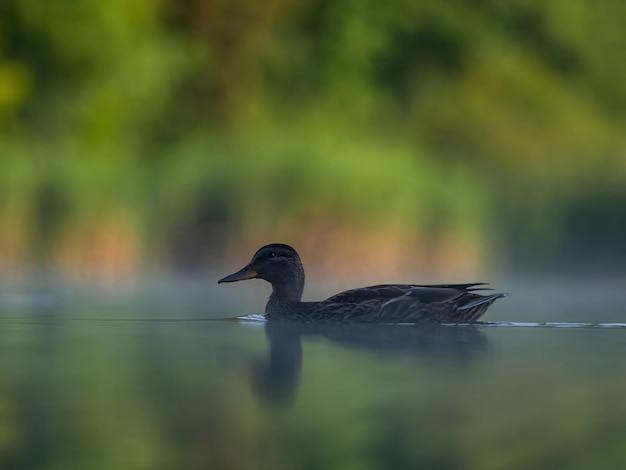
x=272, y=255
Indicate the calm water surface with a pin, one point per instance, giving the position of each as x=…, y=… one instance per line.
x=150, y=379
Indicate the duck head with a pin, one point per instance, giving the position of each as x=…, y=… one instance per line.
x=279, y=265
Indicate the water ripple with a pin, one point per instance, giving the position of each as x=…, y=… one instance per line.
x=253, y=319
x=257, y=319
x=551, y=324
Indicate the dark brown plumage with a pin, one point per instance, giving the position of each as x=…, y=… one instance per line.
x=280, y=265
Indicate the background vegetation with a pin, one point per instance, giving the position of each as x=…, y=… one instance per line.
x=161, y=133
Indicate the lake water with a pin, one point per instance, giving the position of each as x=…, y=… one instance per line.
x=150, y=378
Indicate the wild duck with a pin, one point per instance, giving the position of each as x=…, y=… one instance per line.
x=280, y=265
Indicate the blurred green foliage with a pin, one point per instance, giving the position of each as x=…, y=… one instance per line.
x=172, y=132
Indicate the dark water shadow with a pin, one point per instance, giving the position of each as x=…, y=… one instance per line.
x=275, y=377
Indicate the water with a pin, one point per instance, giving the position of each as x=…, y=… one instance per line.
x=120, y=379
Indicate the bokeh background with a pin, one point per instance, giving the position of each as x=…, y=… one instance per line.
x=442, y=138
x=163, y=141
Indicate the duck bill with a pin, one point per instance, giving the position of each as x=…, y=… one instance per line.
x=247, y=272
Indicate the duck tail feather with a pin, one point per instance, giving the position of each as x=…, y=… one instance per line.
x=471, y=286
x=482, y=300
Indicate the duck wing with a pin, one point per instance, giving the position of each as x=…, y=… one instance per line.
x=386, y=292
x=455, y=303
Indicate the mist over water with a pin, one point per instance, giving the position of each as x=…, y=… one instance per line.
x=90, y=376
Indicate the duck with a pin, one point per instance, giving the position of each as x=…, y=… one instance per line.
x=280, y=265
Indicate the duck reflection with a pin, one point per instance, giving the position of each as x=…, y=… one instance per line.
x=276, y=377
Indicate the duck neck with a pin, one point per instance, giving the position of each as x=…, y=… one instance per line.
x=287, y=290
